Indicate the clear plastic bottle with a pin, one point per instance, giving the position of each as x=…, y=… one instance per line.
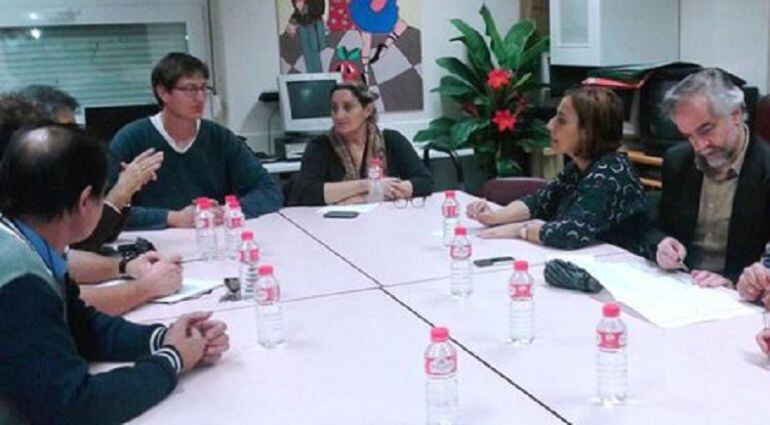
x=233, y=224
x=441, y=396
x=450, y=209
x=267, y=294
x=612, y=361
x=461, y=269
x=375, y=174
x=521, y=308
x=205, y=234
x=248, y=259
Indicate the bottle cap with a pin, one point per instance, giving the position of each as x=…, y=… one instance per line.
x=520, y=265
x=265, y=270
x=233, y=203
x=230, y=198
x=203, y=203
x=611, y=310
x=449, y=193
x=247, y=235
x=461, y=231
x=439, y=334
x=374, y=161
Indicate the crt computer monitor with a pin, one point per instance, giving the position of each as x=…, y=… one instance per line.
x=103, y=122
x=305, y=101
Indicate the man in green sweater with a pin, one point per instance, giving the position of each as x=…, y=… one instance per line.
x=201, y=158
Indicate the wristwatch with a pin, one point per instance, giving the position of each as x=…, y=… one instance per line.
x=127, y=256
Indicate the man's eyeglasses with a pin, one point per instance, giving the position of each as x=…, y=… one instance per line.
x=191, y=91
x=402, y=203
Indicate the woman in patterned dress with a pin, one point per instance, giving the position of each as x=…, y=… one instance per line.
x=596, y=197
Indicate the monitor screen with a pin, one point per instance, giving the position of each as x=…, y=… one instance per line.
x=310, y=99
x=104, y=121
x=305, y=102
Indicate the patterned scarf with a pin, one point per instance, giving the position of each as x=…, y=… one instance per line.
x=375, y=148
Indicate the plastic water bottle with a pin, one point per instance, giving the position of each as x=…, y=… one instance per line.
x=450, y=209
x=521, y=309
x=441, y=381
x=248, y=258
x=461, y=275
x=205, y=234
x=267, y=294
x=374, y=173
x=612, y=363
x=233, y=219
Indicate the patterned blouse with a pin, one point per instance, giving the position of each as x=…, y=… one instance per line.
x=605, y=203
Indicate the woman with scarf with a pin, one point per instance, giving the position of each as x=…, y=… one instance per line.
x=334, y=166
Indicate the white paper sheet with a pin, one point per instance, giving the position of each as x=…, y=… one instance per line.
x=360, y=208
x=190, y=289
x=666, y=299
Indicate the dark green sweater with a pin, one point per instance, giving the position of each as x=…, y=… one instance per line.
x=217, y=164
x=604, y=203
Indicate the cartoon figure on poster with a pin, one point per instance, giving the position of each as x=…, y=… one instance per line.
x=307, y=22
x=377, y=42
x=376, y=17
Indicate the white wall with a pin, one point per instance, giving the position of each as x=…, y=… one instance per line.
x=730, y=34
x=246, y=58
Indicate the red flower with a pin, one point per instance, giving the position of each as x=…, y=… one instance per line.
x=498, y=78
x=504, y=120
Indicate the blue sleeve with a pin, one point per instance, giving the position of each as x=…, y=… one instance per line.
x=257, y=190
x=101, y=337
x=42, y=366
x=121, y=150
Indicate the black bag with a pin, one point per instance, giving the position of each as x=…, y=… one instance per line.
x=567, y=275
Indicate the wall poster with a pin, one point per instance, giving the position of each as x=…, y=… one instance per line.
x=374, y=40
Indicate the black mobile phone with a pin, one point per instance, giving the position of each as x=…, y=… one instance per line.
x=233, y=284
x=341, y=214
x=486, y=262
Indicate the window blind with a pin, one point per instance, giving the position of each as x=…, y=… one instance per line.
x=99, y=65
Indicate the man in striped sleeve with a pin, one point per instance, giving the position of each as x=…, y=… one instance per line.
x=52, y=182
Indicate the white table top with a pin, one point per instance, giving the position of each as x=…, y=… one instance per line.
x=349, y=359
x=303, y=267
x=710, y=373
x=397, y=246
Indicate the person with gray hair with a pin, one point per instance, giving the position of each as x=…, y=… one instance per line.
x=714, y=213
x=57, y=105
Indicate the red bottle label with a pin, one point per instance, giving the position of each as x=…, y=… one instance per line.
x=440, y=366
x=449, y=210
x=460, y=252
x=252, y=255
x=267, y=295
x=520, y=290
x=610, y=340
x=235, y=222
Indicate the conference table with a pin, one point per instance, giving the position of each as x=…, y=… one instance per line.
x=360, y=296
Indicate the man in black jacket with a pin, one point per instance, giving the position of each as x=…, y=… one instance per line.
x=715, y=206
x=51, y=191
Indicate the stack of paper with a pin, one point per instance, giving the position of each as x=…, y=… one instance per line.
x=191, y=288
x=664, y=298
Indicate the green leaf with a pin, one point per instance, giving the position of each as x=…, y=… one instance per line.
x=498, y=47
x=516, y=40
x=522, y=81
x=437, y=128
x=453, y=86
x=507, y=167
x=457, y=67
x=478, y=52
x=530, y=58
x=462, y=130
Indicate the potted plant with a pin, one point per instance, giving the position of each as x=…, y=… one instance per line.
x=492, y=90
